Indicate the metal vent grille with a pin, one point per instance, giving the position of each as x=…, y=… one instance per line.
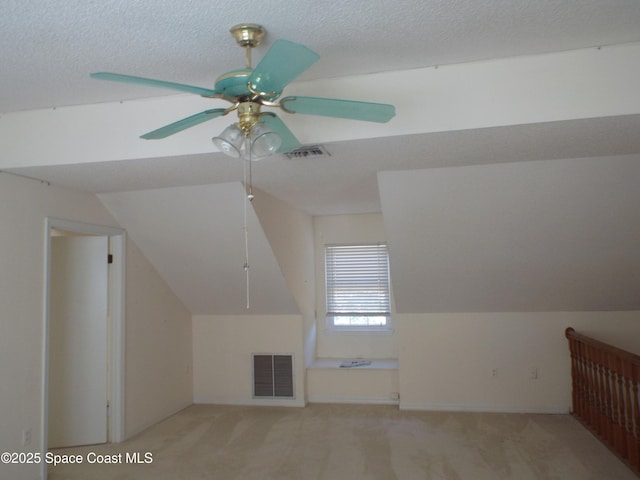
x=272, y=376
x=308, y=152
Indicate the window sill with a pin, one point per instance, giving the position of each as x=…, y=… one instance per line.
x=376, y=364
x=358, y=331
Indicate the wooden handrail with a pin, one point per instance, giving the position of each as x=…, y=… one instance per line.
x=570, y=333
x=605, y=394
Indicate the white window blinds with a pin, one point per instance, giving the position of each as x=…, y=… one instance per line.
x=357, y=283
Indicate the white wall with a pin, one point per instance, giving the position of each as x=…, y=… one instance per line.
x=24, y=205
x=446, y=360
x=365, y=228
x=222, y=348
x=290, y=235
x=159, y=376
x=377, y=383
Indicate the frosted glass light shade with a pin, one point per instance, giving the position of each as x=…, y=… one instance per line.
x=230, y=141
x=264, y=141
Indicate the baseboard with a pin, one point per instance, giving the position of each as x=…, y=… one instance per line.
x=352, y=400
x=553, y=410
x=258, y=402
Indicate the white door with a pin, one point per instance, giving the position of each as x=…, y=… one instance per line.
x=78, y=341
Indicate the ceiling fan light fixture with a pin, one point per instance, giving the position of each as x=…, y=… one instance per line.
x=230, y=141
x=264, y=141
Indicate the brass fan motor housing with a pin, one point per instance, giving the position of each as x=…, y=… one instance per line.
x=248, y=34
x=248, y=114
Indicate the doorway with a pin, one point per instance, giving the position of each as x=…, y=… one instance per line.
x=83, y=346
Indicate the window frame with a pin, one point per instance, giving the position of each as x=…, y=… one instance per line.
x=387, y=314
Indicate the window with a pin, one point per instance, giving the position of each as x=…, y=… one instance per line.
x=357, y=286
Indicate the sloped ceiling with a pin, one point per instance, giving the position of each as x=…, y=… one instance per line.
x=558, y=235
x=194, y=236
x=487, y=92
x=345, y=182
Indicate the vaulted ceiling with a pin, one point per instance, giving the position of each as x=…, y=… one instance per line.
x=512, y=160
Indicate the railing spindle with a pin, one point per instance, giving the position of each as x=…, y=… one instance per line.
x=636, y=416
x=623, y=414
x=635, y=458
x=608, y=408
x=615, y=402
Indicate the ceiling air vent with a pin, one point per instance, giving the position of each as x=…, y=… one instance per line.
x=309, y=152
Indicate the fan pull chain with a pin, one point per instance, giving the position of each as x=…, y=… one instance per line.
x=250, y=195
x=249, y=198
x=246, y=228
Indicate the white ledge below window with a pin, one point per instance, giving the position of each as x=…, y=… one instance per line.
x=330, y=330
x=376, y=363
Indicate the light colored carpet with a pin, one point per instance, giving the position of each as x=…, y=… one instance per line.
x=353, y=442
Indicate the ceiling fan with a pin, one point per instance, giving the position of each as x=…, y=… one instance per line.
x=249, y=89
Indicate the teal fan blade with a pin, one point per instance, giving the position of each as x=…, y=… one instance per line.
x=185, y=123
x=282, y=63
x=117, y=77
x=289, y=141
x=331, y=107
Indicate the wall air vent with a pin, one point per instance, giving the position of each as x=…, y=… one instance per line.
x=272, y=375
x=309, y=152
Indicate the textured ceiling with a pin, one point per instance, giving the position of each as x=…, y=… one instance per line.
x=49, y=47
x=501, y=123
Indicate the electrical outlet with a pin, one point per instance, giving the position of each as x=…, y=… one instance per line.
x=26, y=437
x=533, y=373
x=395, y=395
x=494, y=373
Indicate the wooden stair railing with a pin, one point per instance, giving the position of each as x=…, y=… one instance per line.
x=605, y=394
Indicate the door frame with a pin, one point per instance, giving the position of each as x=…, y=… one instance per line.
x=116, y=303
